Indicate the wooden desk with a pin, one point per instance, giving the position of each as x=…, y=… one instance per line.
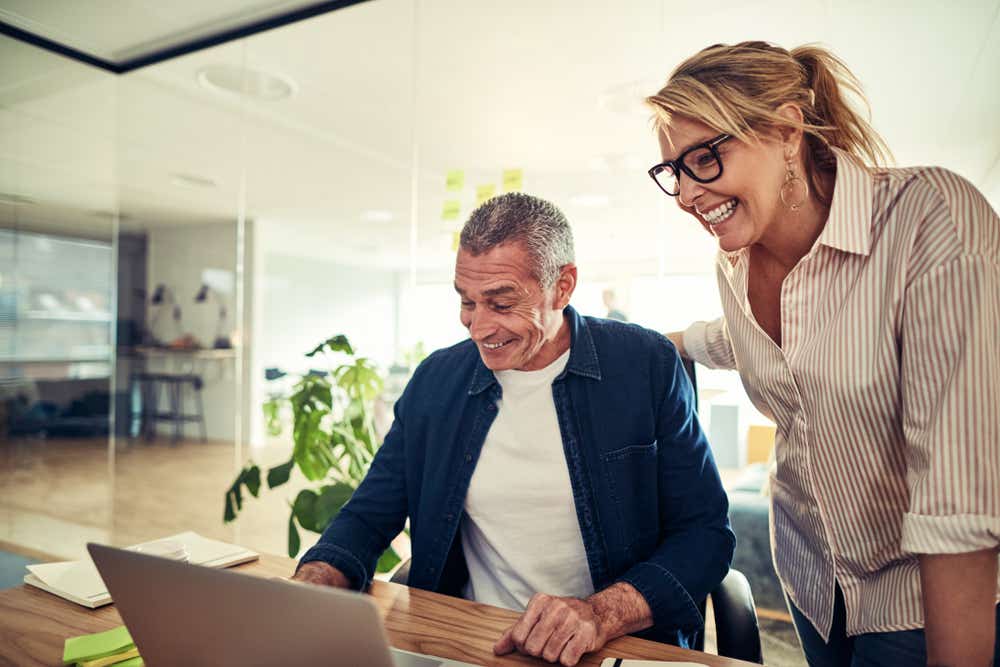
x=34, y=624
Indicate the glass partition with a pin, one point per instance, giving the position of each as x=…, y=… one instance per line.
x=58, y=253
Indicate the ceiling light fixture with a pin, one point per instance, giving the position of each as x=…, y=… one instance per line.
x=258, y=84
x=376, y=215
x=192, y=181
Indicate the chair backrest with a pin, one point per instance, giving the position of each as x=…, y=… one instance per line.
x=737, y=634
x=737, y=629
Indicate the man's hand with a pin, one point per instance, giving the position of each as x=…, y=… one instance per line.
x=321, y=574
x=556, y=629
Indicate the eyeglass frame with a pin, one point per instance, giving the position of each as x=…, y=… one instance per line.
x=678, y=165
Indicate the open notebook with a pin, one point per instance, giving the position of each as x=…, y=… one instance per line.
x=78, y=581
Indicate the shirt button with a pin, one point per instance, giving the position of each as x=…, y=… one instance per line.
x=449, y=517
x=468, y=458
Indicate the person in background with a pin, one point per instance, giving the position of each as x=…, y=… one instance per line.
x=861, y=306
x=611, y=303
x=551, y=463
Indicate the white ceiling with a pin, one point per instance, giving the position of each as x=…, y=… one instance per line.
x=552, y=88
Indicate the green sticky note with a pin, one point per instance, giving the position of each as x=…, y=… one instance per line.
x=513, y=179
x=456, y=241
x=131, y=662
x=484, y=192
x=451, y=209
x=455, y=180
x=99, y=645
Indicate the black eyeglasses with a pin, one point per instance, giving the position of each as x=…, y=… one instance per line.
x=701, y=163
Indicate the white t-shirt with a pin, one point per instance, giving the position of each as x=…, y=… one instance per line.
x=520, y=532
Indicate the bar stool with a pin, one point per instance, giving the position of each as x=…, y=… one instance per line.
x=151, y=385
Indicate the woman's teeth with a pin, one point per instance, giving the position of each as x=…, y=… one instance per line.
x=720, y=213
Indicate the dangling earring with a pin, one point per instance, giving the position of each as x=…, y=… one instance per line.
x=793, y=186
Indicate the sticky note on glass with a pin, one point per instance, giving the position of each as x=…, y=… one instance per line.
x=456, y=238
x=513, y=179
x=455, y=180
x=451, y=209
x=484, y=192
x=99, y=645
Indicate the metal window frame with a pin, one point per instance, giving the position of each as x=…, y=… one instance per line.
x=175, y=51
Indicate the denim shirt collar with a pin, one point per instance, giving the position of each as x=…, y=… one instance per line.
x=582, y=356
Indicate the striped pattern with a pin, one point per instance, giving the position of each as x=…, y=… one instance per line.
x=885, y=392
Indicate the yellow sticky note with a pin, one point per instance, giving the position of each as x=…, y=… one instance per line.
x=455, y=180
x=513, y=179
x=451, y=209
x=456, y=238
x=484, y=192
x=116, y=659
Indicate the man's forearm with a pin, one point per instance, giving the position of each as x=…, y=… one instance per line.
x=622, y=610
x=959, y=607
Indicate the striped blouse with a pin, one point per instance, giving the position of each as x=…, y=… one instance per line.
x=885, y=391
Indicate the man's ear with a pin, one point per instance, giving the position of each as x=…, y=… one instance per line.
x=790, y=135
x=565, y=284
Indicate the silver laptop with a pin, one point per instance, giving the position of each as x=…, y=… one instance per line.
x=181, y=614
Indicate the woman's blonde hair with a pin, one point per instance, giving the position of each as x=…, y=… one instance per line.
x=737, y=90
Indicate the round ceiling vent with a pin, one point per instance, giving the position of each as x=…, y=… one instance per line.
x=246, y=81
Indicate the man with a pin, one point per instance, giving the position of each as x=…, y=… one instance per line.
x=552, y=463
x=611, y=303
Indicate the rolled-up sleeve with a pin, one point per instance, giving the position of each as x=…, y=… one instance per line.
x=951, y=406
x=708, y=344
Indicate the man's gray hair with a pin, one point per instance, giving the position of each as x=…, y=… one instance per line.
x=519, y=218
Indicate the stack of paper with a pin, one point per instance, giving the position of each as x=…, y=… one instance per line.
x=114, y=647
x=79, y=581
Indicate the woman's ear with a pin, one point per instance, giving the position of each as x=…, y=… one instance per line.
x=791, y=134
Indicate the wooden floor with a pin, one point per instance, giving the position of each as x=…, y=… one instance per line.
x=56, y=495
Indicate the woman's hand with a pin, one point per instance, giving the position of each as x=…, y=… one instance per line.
x=677, y=338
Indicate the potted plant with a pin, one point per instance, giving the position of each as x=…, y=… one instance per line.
x=333, y=430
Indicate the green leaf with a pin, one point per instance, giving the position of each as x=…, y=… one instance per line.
x=278, y=475
x=272, y=416
x=387, y=561
x=328, y=505
x=304, y=509
x=230, y=512
x=360, y=380
x=338, y=343
x=251, y=478
x=313, y=449
x=293, y=538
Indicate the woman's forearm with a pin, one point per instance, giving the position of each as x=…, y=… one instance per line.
x=959, y=607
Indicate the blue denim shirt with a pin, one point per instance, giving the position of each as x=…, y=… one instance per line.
x=651, y=507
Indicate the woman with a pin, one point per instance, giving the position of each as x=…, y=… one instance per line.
x=862, y=309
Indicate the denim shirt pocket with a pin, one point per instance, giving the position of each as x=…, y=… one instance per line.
x=633, y=482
